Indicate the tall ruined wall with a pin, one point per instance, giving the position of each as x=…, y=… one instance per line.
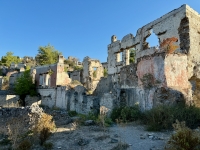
x=167, y=73
x=62, y=77
x=190, y=29
x=92, y=73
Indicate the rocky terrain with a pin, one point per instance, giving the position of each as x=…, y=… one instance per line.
x=69, y=135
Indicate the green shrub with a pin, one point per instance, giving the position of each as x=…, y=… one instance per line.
x=158, y=118
x=184, y=138
x=126, y=114
x=5, y=141
x=72, y=113
x=162, y=117
x=104, y=121
x=24, y=145
x=44, y=127
x=48, y=145
x=189, y=114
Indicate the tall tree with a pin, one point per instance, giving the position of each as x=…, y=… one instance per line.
x=132, y=55
x=24, y=86
x=9, y=58
x=47, y=55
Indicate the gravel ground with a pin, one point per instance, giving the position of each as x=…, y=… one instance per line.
x=96, y=138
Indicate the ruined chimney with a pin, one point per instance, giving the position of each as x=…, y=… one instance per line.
x=113, y=39
x=61, y=59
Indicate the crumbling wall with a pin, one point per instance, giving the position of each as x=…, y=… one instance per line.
x=105, y=85
x=45, y=76
x=51, y=75
x=169, y=70
x=190, y=30
x=92, y=73
x=76, y=75
x=48, y=96
x=32, y=100
x=118, y=53
x=13, y=77
x=9, y=101
x=70, y=99
x=128, y=76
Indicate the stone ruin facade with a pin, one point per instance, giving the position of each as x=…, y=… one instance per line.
x=50, y=76
x=161, y=75
x=166, y=74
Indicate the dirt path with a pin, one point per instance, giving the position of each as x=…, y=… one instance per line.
x=71, y=137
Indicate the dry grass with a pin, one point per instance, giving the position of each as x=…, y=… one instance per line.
x=184, y=138
x=16, y=130
x=44, y=127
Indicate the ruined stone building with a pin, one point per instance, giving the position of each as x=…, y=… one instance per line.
x=51, y=75
x=161, y=75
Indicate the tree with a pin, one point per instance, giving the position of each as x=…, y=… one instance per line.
x=24, y=86
x=105, y=72
x=132, y=56
x=70, y=62
x=9, y=58
x=47, y=55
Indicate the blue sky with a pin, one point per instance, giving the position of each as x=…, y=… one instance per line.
x=76, y=27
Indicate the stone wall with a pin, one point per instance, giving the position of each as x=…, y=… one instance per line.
x=1, y=81
x=32, y=100
x=128, y=76
x=70, y=99
x=9, y=101
x=105, y=85
x=48, y=96
x=92, y=73
x=76, y=75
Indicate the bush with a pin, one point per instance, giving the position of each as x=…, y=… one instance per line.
x=104, y=121
x=159, y=118
x=184, y=138
x=125, y=114
x=72, y=113
x=44, y=127
x=48, y=146
x=101, y=120
x=162, y=117
x=5, y=141
x=24, y=145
